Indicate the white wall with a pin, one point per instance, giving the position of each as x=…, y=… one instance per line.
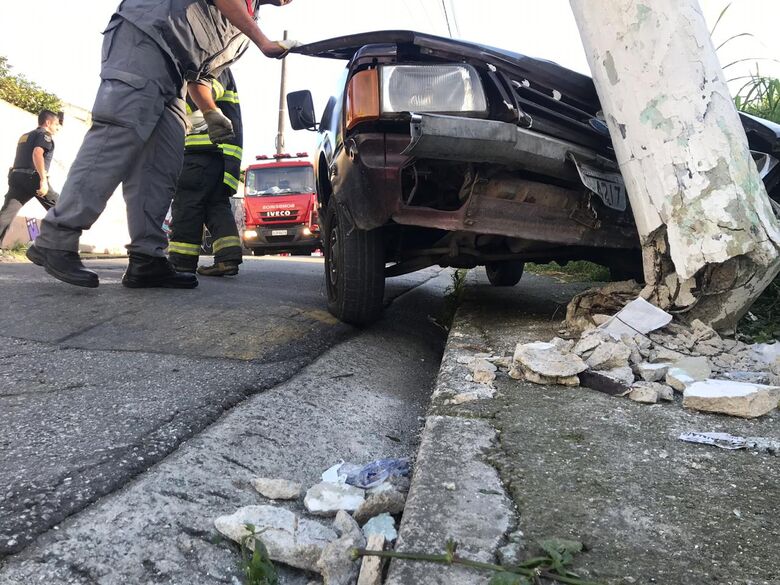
x=109, y=233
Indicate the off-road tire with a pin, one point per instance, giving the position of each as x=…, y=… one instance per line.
x=354, y=268
x=507, y=273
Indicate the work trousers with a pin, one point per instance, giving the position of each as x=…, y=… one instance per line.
x=22, y=186
x=201, y=199
x=137, y=139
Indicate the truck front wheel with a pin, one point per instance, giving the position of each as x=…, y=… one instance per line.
x=354, y=268
x=506, y=273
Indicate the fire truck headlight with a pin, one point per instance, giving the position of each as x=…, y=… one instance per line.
x=306, y=231
x=250, y=234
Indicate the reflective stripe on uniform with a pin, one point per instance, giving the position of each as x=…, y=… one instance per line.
x=230, y=97
x=219, y=89
x=230, y=181
x=226, y=242
x=188, y=108
x=184, y=248
x=197, y=140
x=232, y=150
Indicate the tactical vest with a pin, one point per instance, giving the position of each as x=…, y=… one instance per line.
x=195, y=35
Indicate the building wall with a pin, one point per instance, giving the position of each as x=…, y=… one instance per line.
x=109, y=233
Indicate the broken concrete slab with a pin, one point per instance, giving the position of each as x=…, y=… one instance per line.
x=638, y=316
x=391, y=502
x=651, y=372
x=277, y=489
x=624, y=375
x=602, y=383
x=371, y=568
x=482, y=371
x=732, y=398
x=336, y=564
x=544, y=363
x=326, y=499
x=290, y=539
x=608, y=356
x=383, y=524
x=688, y=370
x=644, y=393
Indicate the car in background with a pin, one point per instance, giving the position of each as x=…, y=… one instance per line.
x=434, y=151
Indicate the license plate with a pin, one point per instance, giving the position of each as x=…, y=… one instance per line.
x=278, y=232
x=608, y=185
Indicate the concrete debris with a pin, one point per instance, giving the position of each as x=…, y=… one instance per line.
x=543, y=363
x=589, y=341
x=638, y=316
x=383, y=524
x=602, y=383
x=624, y=375
x=336, y=563
x=732, y=398
x=650, y=392
x=731, y=442
x=371, y=568
x=291, y=540
x=472, y=395
x=768, y=353
x=277, y=489
x=609, y=355
x=326, y=499
x=391, y=502
x=563, y=345
x=482, y=371
x=608, y=299
x=651, y=372
x=686, y=371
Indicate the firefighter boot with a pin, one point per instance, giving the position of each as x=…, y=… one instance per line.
x=151, y=271
x=63, y=265
x=226, y=268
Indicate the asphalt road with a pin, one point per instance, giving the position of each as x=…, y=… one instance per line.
x=97, y=386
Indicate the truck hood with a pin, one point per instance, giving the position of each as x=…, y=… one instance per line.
x=547, y=73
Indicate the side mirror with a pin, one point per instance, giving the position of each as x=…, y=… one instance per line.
x=301, y=109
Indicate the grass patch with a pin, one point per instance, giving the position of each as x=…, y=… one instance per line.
x=577, y=271
x=762, y=322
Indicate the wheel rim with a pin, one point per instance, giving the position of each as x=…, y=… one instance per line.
x=333, y=263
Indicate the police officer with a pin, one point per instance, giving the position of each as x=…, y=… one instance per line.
x=29, y=177
x=208, y=179
x=151, y=49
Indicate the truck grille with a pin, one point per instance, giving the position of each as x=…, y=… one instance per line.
x=279, y=217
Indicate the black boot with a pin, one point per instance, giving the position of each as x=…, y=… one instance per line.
x=63, y=265
x=152, y=271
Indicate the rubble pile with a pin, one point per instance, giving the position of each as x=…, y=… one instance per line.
x=374, y=493
x=641, y=353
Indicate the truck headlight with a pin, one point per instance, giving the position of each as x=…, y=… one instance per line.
x=432, y=88
x=250, y=234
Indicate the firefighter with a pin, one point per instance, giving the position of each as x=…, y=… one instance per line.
x=208, y=179
x=151, y=50
x=29, y=177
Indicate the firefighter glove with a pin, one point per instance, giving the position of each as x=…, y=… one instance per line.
x=220, y=128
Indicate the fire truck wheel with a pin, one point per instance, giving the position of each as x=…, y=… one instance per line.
x=507, y=273
x=354, y=268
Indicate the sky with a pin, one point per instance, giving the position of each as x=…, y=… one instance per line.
x=65, y=58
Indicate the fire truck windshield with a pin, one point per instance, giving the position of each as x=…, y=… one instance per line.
x=271, y=181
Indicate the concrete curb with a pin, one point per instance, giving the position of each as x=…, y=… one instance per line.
x=455, y=493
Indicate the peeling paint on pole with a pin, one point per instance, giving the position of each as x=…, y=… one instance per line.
x=695, y=192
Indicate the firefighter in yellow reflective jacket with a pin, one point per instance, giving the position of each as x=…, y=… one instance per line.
x=208, y=179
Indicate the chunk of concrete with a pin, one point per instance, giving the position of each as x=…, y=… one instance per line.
x=609, y=355
x=686, y=371
x=277, y=489
x=336, y=563
x=543, y=363
x=651, y=372
x=383, y=524
x=643, y=392
x=291, y=540
x=482, y=371
x=391, y=502
x=602, y=383
x=732, y=398
x=624, y=375
x=326, y=499
x=638, y=316
x=371, y=568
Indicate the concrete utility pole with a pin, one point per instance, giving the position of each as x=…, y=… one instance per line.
x=282, y=106
x=709, y=235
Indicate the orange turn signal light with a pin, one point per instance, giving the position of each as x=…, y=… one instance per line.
x=363, y=97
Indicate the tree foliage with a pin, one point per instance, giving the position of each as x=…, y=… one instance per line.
x=23, y=93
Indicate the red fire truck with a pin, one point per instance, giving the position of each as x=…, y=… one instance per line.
x=280, y=206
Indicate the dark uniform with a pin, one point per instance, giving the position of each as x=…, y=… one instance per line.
x=23, y=179
x=151, y=48
x=207, y=181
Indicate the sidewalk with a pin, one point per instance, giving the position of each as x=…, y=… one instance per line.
x=535, y=462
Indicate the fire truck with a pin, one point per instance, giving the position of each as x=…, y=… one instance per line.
x=280, y=206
